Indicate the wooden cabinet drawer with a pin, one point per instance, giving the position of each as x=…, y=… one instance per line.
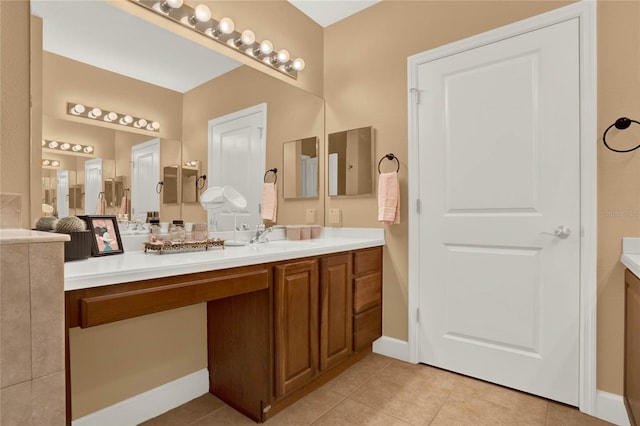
x=367, y=327
x=369, y=260
x=134, y=302
x=367, y=292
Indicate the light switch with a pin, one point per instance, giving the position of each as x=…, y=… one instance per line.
x=310, y=216
x=335, y=217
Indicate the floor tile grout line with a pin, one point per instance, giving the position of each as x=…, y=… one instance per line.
x=442, y=406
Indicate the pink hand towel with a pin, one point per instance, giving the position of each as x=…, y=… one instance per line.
x=102, y=204
x=124, y=205
x=269, y=202
x=389, y=198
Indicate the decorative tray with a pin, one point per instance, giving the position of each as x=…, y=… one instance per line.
x=171, y=247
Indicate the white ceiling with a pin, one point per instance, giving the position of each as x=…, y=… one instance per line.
x=104, y=36
x=327, y=12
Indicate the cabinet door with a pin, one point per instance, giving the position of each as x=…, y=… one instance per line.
x=336, y=300
x=296, y=325
x=632, y=348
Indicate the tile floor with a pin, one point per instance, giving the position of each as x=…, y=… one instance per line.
x=383, y=391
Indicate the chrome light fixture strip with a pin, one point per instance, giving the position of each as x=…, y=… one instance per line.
x=112, y=117
x=185, y=16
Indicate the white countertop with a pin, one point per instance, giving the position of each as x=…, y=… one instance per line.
x=138, y=265
x=631, y=255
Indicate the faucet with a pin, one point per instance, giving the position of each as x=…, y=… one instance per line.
x=260, y=236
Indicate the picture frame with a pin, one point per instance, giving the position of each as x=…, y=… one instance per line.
x=105, y=239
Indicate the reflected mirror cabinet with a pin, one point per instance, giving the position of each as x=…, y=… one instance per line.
x=350, y=162
x=300, y=168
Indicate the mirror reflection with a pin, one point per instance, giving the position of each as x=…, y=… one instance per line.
x=300, y=171
x=350, y=162
x=182, y=106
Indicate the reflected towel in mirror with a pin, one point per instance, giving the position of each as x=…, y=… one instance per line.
x=269, y=207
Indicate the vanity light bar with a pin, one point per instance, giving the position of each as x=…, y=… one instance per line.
x=67, y=146
x=50, y=163
x=224, y=32
x=95, y=113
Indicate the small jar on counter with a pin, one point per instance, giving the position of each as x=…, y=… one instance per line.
x=154, y=231
x=177, y=231
x=199, y=231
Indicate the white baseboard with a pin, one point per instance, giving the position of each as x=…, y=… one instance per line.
x=394, y=348
x=610, y=407
x=151, y=403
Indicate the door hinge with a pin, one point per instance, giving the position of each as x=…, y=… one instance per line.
x=416, y=92
x=418, y=315
x=260, y=129
x=418, y=206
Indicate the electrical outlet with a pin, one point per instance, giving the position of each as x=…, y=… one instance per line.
x=310, y=216
x=335, y=217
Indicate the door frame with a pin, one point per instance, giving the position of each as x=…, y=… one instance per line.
x=585, y=12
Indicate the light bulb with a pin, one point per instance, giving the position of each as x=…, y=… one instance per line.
x=88, y=149
x=44, y=142
x=77, y=109
x=55, y=163
x=166, y=6
x=226, y=26
x=95, y=113
x=53, y=144
x=153, y=126
x=283, y=56
x=65, y=146
x=266, y=47
x=76, y=148
x=46, y=162
x=298, y=64
x=112, y=116
x=247, y=38
x=126, y=120
x=140, y=123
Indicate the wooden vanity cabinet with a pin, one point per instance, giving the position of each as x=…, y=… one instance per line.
x=295, y=325
x=632, y=347
x=367, y=297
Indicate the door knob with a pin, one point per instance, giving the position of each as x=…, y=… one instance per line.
x=560, y=232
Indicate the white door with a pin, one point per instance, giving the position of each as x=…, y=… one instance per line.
x=92, y=184
x=498, y=132
x=62, y=193
x=237, y=158
x=145, y=176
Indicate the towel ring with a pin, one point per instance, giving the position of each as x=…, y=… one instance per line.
x=620, y=124
x=201, y=181
x=159, y=186
x=389, y=157
x=275, y=175
x=100, y=195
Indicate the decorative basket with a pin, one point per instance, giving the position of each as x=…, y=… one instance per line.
x=79, y=247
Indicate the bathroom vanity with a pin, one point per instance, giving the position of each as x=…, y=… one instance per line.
x=283, y=317
x=631, y=259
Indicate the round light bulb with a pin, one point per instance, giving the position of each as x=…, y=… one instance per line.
x=53, y=144
x=298, y=64
x=55, y=163
x=95, y=113
x=174, y=4
x=44, y=142
x=76, y=148
x=283, y=56
x=266, y=47
x=77, y=109
x=126, y=120
x=88, y=149
x=226, y=26
x=202, y=13
x=155, y=125
x=46, y=162
x=247, y=37
x=65, y=146
x=112, y=116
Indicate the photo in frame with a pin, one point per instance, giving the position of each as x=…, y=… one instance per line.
x=106, y=235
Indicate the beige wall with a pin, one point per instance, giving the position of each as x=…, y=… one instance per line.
x=14, y=103
x=378, y=97
x=292, y=114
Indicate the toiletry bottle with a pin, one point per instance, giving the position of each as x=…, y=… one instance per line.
x=154, y=230
x=177, y=231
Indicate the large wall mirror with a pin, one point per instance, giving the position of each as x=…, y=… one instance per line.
x=300, y=168
x=350, y=162
x=172, y=83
